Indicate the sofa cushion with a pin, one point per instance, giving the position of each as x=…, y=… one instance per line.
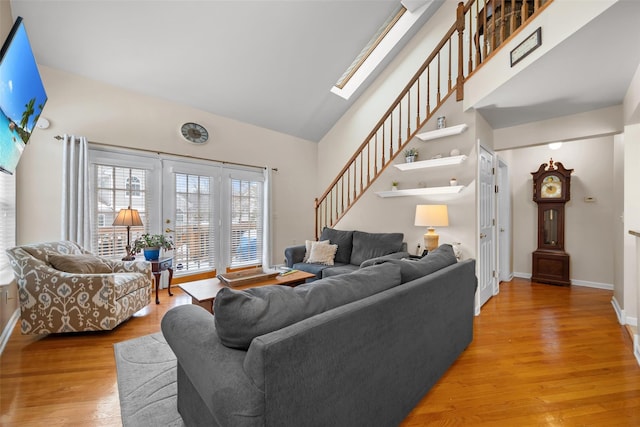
x=322, y=253
x=310, y=268
x=79, y=264
x=339, y=269
x=242, y=315
x=435, y=260
x=371, y=245
x=344, y=240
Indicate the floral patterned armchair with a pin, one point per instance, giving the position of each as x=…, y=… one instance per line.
x=63, y=288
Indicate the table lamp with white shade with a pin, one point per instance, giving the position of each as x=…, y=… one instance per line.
x=128, y=217
x=431, y=216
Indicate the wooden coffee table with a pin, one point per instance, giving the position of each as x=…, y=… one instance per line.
x=203, y=292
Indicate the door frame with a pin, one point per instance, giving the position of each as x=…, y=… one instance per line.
x=504, y=229
x=493, y=249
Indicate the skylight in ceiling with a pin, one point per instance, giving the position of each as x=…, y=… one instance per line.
x=383, y=41
x=371, y=45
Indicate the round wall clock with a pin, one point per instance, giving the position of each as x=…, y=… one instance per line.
x=193, y=132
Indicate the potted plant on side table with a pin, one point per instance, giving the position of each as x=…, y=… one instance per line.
x=151, y=244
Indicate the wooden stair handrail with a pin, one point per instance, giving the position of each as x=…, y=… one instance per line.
x=350, y=183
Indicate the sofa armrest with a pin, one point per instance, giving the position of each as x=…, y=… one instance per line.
x=294, y=254
x=214, y=371
x=381, y=259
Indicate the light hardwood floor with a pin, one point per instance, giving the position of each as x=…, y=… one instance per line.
x=541, y=356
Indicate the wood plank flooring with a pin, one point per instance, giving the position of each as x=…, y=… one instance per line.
x=542, y=356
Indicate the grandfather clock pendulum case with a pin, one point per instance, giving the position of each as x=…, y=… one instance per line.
x=551, y=190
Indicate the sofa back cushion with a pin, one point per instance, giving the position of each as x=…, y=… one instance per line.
x=435, y=260
x=242, y=315
x=371, y=245
x=342, y=238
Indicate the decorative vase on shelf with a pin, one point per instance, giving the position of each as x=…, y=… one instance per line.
x=151, y=254
x=453, y=182
x=410, y=159
x=394, y=186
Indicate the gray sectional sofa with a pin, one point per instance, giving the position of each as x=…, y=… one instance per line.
x=355, y=249
x=358, y=349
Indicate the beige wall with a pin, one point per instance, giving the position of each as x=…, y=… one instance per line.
x=396, y=214
x=106, y=114
x=589, y=239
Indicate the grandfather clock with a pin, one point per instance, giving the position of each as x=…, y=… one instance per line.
x=551, y=185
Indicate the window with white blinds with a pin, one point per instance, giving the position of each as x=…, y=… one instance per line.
x=194, y=224
x=214, y=212
x=117, y=188
x=247, y=202
x=7, y=224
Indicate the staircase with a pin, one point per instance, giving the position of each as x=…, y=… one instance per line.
x=489, y=24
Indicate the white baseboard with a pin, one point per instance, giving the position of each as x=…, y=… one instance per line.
x=584, y=283
x=6, y=333
x=619, y=312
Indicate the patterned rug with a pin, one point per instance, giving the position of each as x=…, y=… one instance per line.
x=146, y=369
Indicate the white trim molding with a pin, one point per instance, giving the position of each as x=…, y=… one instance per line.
x=6, y=332
x=619, y=311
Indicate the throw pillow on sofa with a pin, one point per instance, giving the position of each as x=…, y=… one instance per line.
x=308, y=245
x=322, y=254
x=242, y=315
x=439, y=258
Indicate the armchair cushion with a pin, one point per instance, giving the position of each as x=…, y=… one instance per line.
x=79, y=263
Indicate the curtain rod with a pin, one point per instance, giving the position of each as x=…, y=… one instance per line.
x=224, y=162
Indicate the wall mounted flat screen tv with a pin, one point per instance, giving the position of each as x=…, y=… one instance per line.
x=22, y=96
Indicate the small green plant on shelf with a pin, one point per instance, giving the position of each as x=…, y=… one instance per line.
x=147, y=241
x=411, y=152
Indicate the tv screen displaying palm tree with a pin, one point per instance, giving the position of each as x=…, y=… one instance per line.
x=22, y=96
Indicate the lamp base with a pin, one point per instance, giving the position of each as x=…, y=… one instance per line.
x=130, y=256
x=431, y=239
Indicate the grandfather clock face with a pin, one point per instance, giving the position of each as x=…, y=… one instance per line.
x=551, y=191
x=551, y=187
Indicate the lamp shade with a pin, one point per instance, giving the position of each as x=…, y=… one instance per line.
x=432, y=216
x=128, y=217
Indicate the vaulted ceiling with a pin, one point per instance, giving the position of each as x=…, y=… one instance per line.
x=267, y=63
x=272, y=63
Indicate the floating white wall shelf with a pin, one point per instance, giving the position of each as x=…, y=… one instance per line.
x=440, y=133
x=428, y=191
x=431, y=163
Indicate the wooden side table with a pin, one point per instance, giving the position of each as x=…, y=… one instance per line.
x=157, y=267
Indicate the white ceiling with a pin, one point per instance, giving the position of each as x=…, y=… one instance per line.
x=267, y=63
x=592, y=69
x=272, y=63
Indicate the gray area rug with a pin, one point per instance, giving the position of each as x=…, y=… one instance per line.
x=146, y=369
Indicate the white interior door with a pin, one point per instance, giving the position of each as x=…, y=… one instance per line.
x=504, y=223
x=486, y=227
